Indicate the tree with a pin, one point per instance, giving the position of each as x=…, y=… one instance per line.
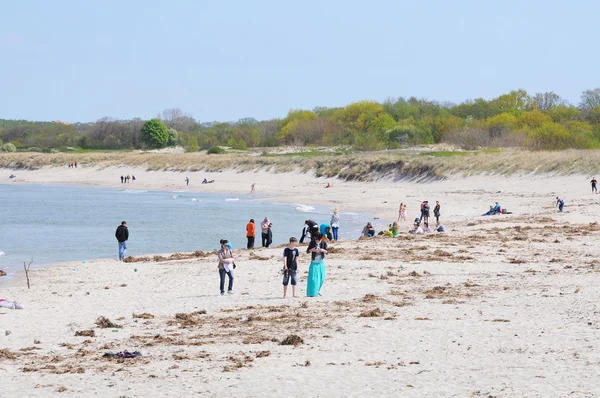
x=515, y=102
x=549, y=100
x=173, y=137
x=590, y=99
x=155, y=133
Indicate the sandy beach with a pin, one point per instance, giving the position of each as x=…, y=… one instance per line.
x=502, y=306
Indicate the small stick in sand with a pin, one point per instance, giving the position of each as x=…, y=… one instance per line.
x=26, y=267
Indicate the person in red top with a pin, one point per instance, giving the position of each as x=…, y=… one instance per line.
x=250, y=233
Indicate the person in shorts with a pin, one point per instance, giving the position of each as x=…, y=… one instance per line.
x=290, y=266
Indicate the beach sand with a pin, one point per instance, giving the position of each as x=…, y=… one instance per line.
x=499, y=306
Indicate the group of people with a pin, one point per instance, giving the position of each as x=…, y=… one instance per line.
x=329, y=231
x=73, y=165
x=126, y=179
x=266, y=233
x=316, y=271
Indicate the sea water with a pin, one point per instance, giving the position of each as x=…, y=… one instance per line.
x=67, y=223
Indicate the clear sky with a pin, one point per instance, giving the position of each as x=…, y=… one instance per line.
x=77, y=60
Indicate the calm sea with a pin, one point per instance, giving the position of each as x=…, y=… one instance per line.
x=65, y=223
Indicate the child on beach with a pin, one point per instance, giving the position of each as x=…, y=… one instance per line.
x=225, y=266
x=290, y=266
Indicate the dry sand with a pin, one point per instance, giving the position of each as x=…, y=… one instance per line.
x=500, y=306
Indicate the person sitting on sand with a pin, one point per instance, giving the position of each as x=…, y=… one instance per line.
x=394, y=229
x=368, y=231
x=440, y=228
x=416, y=227
x=329, y=185
x=494, y=210
x=426, y=229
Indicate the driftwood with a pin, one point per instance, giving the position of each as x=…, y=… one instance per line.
x=26, y=267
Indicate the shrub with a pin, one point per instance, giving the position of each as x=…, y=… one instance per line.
x=8, y=147
x=155, y=133
x=215, y=150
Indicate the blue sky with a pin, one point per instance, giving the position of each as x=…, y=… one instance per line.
x=224, y=60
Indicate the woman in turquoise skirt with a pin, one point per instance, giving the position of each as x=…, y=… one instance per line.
x=316, y=272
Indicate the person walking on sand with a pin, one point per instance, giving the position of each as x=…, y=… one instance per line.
x=316, y=272
x=250, y=233
x=252, y=188
x=122, y=235
x=560, y=203
x=436, y=212
x=335, y=224
x=266, y=233
x=594, y=183
x=290, y=266
x=187, y=181
x=226, y=266
x=122, y=179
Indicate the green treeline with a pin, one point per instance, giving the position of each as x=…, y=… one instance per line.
x=516, y=119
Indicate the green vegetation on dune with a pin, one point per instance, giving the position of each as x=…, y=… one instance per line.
x=543, y=121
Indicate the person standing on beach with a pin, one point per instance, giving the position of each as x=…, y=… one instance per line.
x=122, y=235
x=290, y=266
x=122, y=179
x=266, y=234
x=594, y=183
x=187, y=181
x=226, y=266
x=316, y=271
x=560, y=203
x=400, y=211
x=250, y=233
x=252, y=188
x=335, y=224
x=426, y=211
x=436, y=212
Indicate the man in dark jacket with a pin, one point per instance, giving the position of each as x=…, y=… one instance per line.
x=122, y=236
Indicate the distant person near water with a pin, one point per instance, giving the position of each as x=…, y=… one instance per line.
x=316, y=271
x=122, y=235
x=335, y=224
x=266, y=232
x=594, y=185
x=252, y=189
x=250, y=233
x=187, y=181
x=560, y=203
x=122, y=179
x=290, y=266
x=226, y=266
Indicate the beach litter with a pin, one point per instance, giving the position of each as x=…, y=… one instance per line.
x=122, y=354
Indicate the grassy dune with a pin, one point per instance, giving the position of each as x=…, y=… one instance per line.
x=363, y=166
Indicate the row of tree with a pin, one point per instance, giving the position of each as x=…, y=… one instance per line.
x=540, y=121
